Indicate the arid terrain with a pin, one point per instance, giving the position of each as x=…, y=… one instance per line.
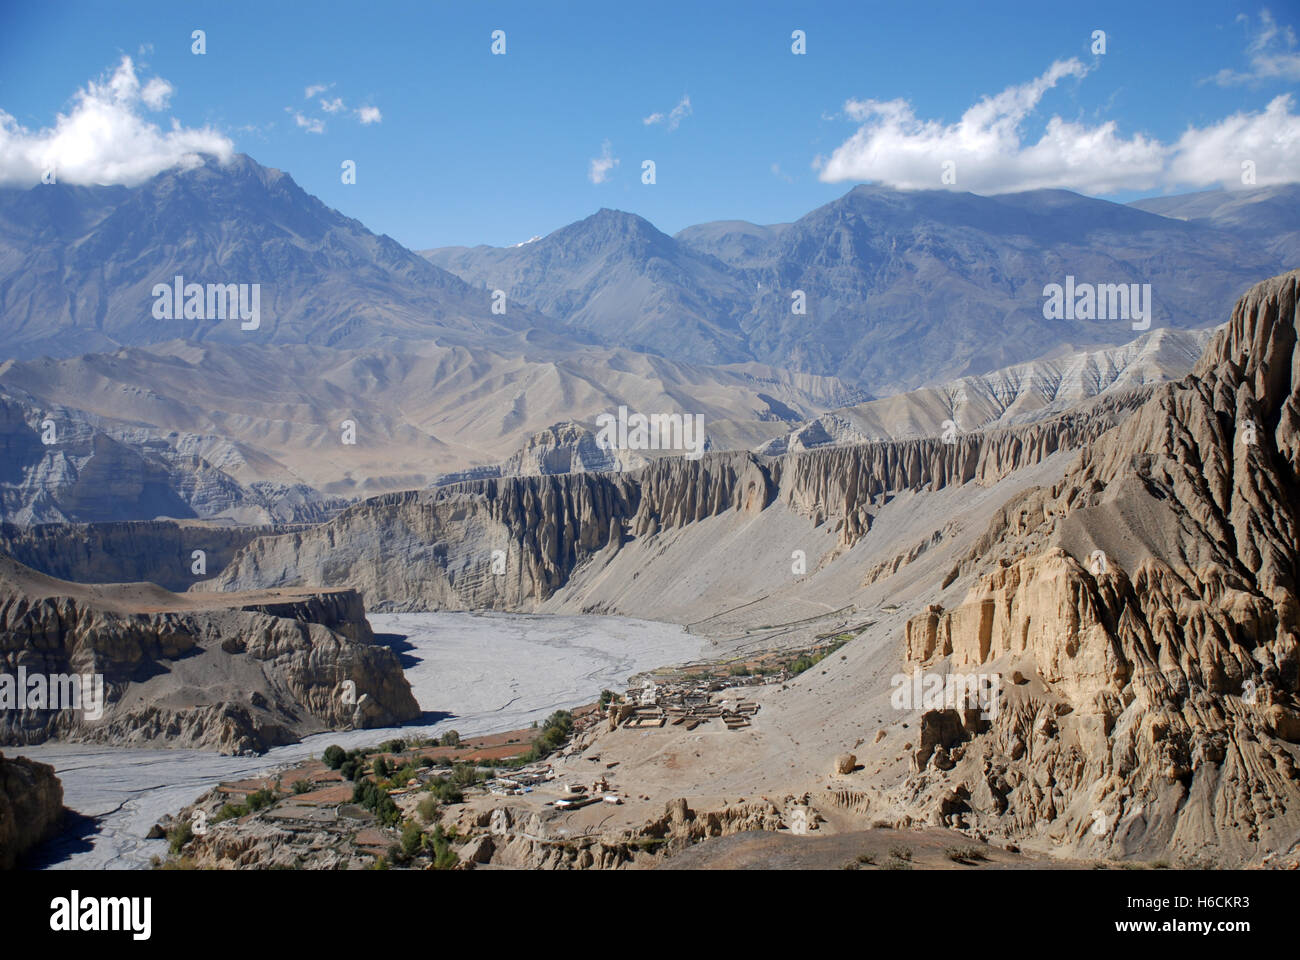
x=1119, y=576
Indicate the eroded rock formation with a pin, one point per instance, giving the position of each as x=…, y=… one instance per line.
x=235, y=673
x=1143, y=613
x=510, y=543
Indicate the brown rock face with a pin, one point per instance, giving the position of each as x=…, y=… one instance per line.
x=31, y=807
x=242, y=674
x=510, y=543
x=1146, y=607
x=157, y=551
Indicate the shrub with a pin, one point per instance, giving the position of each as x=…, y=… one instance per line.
x=427, y=808
x=230, y=811
x=375, y=798
x=380, y=768
x=301, y=786
x=334, y=756
x=555, y=731
x=412, y=839
x=802, y=664
x=407, y=772
x=179, y=835
x=450, y=739
x=260, y=799
x=965, y=854
x=445, y=790
x=464, y=774
x=901, y=853
x=439, y=844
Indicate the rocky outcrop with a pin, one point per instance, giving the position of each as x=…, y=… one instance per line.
x=31, y=807
x=887, y=568
x=156, y=551
x=1015, y=395
x=59, y=464
x=235, y=673
x=510, y=543
x=567, y=447
x=1144, y=615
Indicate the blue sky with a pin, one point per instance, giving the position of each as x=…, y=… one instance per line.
x=468, y=147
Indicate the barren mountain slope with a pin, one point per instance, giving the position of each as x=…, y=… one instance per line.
x=1148, y=696
x=1158, y=705
x=1019, y=394
x=1147, y=709
x=435, y=548
x=79, y=265
x=883, y=288
x=256, y=435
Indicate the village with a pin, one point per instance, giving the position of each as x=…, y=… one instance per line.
x=359, y=809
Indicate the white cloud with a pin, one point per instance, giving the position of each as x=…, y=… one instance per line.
x=310, y=124
x=314, y=89
x=674, y=117
x=895, y=147
x=369, y=115
x=1214, y=154
x=332, y=106
x=602, y=165
x=156, y=93
x=105, y=139
x=1271, y=51
x=781, y=174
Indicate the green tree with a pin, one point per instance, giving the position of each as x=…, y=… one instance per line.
x=412, y=838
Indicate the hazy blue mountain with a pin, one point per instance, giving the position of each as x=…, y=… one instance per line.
x=78, y=266
x=1271, y=214
x=901, y=288
x=617, y=277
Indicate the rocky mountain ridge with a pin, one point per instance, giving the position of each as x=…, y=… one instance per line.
x=542, y=528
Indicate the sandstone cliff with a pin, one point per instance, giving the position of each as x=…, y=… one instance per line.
x=1143, y=613
x=236, y=672
x=31, y=807
x=157, y=551
x=510, y=543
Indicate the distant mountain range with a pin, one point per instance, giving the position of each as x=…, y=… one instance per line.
x=901, y=288
x=200, y=418
x=78, y=266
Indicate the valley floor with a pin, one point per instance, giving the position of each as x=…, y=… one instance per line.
x=487, y=673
